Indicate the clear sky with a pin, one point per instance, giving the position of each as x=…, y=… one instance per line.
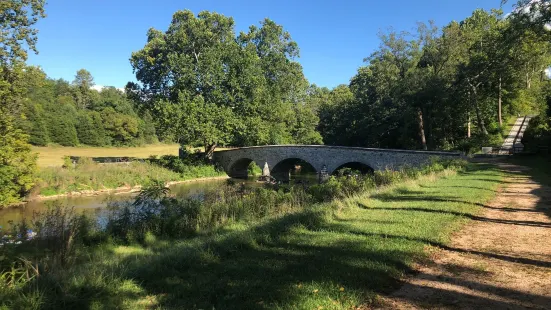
x=333, y=36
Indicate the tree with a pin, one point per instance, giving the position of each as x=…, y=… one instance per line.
x=83, y=79
x=122, y=129
x=481, y=34
x=83, y=82
x=17, y=162
x=250, y=81
x=62, y=129
x=189, y=64
x=87, y=131
x=37, y=129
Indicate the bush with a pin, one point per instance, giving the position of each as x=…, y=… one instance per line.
x=538, y=133
x=476, y=142
x=190, y=166
x=175, y=218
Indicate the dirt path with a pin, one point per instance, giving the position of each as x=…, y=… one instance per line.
x=502, y=262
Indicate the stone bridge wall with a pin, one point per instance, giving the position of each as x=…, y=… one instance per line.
x=235, y=161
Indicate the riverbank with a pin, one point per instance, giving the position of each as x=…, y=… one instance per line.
x=87, y=178
x=261, y=248
x=121, y=190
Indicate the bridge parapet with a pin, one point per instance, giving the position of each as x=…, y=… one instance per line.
x=329, y=158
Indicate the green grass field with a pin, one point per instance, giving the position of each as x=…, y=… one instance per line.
x=52, y=156
x=338, y=255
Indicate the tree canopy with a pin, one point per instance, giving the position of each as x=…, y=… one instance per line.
x=223, y=88
x=18, y=35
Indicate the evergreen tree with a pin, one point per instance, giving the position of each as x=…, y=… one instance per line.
x=87, y=132
x=38, y=134
x=62, y=130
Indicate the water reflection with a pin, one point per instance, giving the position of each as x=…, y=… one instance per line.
x=96, y=204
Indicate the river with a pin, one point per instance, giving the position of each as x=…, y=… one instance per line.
x=94, y=204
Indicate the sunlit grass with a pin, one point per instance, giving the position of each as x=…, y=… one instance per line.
x=52, y=156
x=336, y=255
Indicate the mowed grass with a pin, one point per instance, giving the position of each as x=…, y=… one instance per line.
x=338, y=255
x=52, y=156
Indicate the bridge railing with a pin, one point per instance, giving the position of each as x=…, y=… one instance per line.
x=516, y=149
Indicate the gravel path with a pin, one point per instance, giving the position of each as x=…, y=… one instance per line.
x=500, y=262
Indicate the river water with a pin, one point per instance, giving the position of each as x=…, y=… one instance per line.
x=94, y=204
x=97, y=204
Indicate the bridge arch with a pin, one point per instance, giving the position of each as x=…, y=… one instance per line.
x=292, y=165
x=354, y=165
x=240, y=168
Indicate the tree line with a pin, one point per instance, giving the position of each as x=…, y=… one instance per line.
x=441, y=88
x=70, y=114
x=206, y=85
x=437, y=88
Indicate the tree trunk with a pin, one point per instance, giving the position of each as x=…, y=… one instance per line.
x=499, y=104
x=479, y=119
x=209, y=150
x=422, y=129
x=469, y=126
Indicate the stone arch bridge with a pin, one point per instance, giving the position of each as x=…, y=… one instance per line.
x=324, y=159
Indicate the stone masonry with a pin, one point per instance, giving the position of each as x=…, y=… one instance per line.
x=235, y=161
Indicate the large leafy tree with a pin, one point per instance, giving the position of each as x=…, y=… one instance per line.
x=187, y=64
x=206, y=86
x=17, y=35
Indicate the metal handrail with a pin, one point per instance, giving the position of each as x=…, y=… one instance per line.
x=518, y=133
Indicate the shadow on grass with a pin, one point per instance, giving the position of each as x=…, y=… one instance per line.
x=454, y=186
x=270, y=266
x=467, y=215
x=295, y=261
x=508, y=258
x=274, y=266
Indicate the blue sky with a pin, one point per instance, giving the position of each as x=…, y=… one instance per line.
x=333, y=36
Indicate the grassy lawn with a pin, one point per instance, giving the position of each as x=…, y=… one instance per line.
x=52, y=156
x=328, y=256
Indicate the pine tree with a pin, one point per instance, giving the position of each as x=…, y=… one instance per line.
x=87, y=131
x=62, y=130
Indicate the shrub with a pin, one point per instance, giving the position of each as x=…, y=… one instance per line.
x=58, y=229
x=538, y=133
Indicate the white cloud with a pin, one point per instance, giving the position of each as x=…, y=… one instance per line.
x=101, y=87
x=97, y=87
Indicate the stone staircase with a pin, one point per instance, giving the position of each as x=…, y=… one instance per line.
x=512, y=143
